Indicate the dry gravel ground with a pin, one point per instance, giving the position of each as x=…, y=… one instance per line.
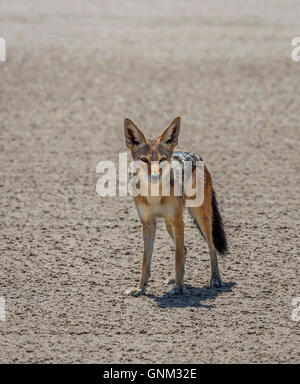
x=74, y=71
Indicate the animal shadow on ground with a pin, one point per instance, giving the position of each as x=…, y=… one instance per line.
x=194, y=298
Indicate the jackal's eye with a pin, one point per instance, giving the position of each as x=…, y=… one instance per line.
x=144, y=159
x=163, y=159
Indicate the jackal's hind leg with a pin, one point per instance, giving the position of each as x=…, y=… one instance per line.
x=216, y=280
x=203, y=219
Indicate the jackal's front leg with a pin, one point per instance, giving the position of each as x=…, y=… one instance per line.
x=179, y=259
x=170, y=230
x=149, y=236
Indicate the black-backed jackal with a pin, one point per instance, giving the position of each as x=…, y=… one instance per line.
x=171, y=208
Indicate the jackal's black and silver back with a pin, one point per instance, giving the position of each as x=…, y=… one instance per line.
x=219, y=236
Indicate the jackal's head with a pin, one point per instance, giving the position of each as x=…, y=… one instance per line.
x=155, y=154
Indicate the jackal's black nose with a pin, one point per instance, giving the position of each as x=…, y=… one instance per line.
x=154, y=178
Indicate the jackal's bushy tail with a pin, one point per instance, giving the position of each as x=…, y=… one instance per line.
x=218, y=233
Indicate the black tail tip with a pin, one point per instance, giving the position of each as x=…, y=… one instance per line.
x=219, y=235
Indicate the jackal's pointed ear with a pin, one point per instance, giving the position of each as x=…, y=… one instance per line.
x=171, y=133
x=134, y=137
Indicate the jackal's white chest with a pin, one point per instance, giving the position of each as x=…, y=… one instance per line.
x=154, y=208
x=153, y=201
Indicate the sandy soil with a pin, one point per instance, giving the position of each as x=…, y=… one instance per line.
x=74, y=71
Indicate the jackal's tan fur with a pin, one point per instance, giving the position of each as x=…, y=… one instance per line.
x=171, y=208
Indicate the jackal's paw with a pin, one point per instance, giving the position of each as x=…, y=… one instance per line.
x=135, y=291
x=179, y=290
x=216, y=282
x=169, y=281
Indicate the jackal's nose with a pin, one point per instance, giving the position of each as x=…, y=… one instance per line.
x=155, y=172
x=155, y=178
